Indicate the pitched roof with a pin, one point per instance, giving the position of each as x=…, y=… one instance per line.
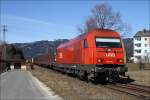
x=143, y=33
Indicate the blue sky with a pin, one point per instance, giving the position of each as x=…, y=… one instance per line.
x=35, y=20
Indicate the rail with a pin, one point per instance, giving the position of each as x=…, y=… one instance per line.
x=132, y=89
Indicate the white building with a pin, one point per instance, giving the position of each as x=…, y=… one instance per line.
x=142, y=46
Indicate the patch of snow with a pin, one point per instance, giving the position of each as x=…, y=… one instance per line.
x=49, y=93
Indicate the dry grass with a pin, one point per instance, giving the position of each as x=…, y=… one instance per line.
x=75, y=89
x=135, y=66
x=141, y=77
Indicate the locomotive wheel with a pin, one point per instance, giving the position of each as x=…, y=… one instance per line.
x=83, y=75
x=90, y=77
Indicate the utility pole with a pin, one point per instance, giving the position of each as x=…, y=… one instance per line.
x=4, y=55
x=4, y=39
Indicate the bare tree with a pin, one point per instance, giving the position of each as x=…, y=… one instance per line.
x=146, y=58
x=141, y=64
x=104, y=17
x=80, y=30
x=144, y=61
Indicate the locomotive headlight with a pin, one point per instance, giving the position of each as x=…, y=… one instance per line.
x=99, y=60
x=120, y=60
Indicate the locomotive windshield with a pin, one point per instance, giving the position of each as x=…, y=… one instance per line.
x=108, y=42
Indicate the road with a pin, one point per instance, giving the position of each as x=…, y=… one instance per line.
x=21, y=85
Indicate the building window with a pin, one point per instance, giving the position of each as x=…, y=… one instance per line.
x=137, y=51
x=145, y=51
x=138, y=45
x=145, y=45
x=138, y=38
x=145, y=39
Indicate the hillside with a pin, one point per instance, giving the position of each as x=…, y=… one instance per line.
x=36, y=48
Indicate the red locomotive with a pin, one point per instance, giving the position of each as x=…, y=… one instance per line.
x=96, y=55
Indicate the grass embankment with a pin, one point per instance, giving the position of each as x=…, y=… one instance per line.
x=141, y=77
x=136, y=67
x=72, y=88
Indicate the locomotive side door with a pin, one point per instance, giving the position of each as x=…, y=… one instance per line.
x=85, y=52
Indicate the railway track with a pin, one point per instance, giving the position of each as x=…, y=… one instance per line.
x=140, y=91
x=132, y=89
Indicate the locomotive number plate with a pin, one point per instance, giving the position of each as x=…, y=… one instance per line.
x=110, y=54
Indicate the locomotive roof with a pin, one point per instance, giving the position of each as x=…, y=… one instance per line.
x=70, y=41
x=82, y=36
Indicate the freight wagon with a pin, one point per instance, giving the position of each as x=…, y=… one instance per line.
x=43, y=60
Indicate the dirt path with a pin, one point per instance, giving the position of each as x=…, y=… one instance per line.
x=73, y=88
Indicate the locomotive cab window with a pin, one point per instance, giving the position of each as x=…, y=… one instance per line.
x=108, y=42
x=85, y=44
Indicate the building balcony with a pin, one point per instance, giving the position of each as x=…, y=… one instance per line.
x=137, y=41
x=136, y=47
x=137, y=54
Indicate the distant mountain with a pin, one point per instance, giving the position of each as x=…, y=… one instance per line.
x=36, y=48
